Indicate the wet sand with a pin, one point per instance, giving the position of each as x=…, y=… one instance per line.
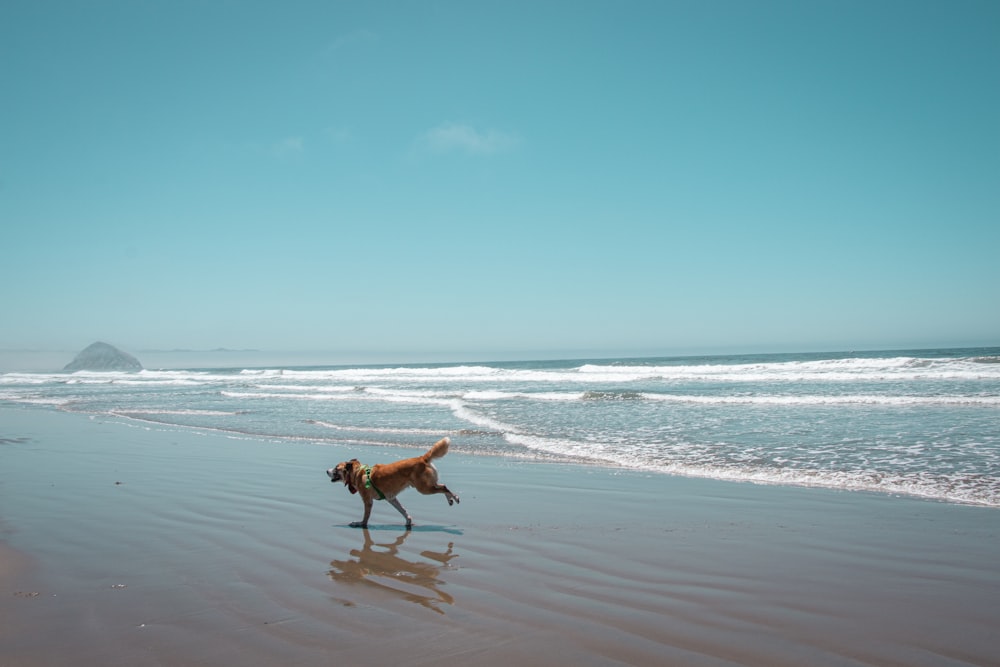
x=124, y=545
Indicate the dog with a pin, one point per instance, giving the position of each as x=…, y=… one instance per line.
x=385, y=481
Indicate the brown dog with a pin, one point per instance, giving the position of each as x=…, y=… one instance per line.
x=385, y=481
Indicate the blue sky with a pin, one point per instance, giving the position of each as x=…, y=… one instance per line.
x=461, y=180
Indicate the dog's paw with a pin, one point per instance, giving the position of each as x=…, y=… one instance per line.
x=358, y=524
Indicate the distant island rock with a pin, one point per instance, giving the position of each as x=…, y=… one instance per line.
x=103, y=357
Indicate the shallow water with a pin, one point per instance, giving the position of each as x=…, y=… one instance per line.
x=923, y=422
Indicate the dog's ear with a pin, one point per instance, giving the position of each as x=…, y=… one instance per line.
x=350, y=465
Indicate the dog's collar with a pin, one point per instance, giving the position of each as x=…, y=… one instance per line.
x=371, y=485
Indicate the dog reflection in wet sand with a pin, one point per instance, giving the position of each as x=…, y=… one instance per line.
x=385, y=569
x=385, y=481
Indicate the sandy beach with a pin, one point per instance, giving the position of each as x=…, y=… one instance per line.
x=126, y=545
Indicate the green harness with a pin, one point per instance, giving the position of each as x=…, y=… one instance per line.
x=371, y=485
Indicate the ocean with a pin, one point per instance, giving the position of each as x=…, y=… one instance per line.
x=921, y=423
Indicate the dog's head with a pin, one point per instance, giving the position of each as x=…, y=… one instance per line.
x=345, y=472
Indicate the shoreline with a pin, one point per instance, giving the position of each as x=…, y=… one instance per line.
x=531, y=456
x=149, y=545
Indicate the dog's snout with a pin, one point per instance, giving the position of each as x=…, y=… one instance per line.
x=333, y=474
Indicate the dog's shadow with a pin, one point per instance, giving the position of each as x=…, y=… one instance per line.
x=412, y=529
x=380, y=565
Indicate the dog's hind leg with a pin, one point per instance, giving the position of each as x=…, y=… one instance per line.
x=452, y=498
x=427, y=484
x=402, y=510
x=441, y=488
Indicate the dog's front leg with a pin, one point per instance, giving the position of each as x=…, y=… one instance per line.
x=402, y=510
x=368, y=512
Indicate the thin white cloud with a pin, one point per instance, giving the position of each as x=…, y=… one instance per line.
x=455, y=137
x=288, y=146
x=339, y=135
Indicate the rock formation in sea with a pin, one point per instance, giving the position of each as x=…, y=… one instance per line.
x=103, y=357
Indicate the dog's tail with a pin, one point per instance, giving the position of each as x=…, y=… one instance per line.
x=439, y=449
